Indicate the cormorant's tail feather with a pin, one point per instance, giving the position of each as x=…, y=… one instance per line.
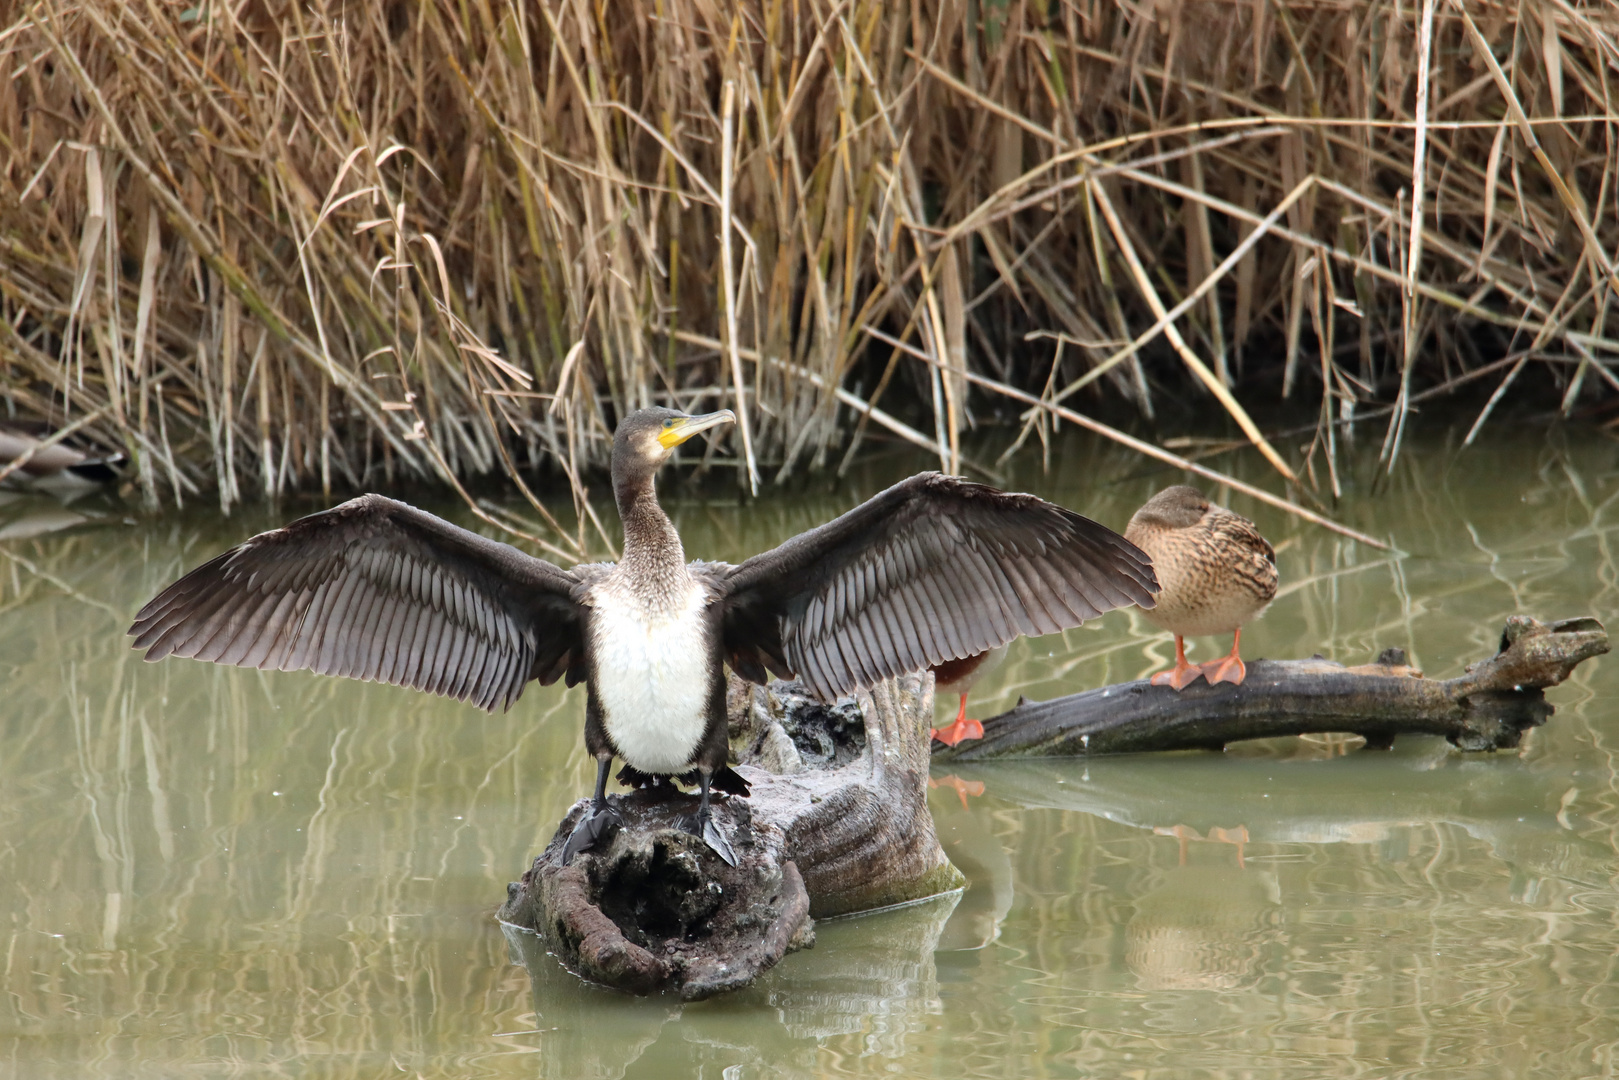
x=727, y=780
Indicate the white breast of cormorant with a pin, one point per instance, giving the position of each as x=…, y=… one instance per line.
x=652, y=671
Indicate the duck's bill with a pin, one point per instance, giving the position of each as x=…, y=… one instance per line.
x=687, y=426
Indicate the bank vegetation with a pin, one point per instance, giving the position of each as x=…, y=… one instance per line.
x=270, y=246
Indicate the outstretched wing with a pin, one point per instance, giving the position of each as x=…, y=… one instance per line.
x=376, y=590
x=933, y=569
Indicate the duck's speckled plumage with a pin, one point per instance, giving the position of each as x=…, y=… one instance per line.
x=1215, y=572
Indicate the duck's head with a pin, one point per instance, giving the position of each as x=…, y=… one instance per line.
x=1177, y=507
x=646, y=438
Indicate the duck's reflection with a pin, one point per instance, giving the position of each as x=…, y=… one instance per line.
x=1203, y=928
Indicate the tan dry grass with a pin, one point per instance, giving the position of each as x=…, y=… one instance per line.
x=273, y=245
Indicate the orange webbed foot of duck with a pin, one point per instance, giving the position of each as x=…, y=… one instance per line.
x=1178, y=677
x=1182, y=674
x=959, y=731
x=1228, y=668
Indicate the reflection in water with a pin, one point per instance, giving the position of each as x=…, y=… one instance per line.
x=1203, y=928
x=212, y=871
x=976, y=921
x=865, y=986
x=1497, y=799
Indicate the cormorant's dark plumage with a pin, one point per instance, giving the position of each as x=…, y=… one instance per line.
x=933, y=569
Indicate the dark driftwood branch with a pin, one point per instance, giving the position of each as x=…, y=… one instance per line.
x=1487, y=708
x=837, y=822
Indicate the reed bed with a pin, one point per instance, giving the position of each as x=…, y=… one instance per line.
x=267, y=246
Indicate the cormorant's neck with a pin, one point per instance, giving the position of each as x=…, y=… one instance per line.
x=651, y=545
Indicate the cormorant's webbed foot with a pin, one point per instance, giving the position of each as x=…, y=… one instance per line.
x=595, y=825
x=592, y=828
x=702, y=824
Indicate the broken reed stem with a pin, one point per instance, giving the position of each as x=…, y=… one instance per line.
x=1193, y=361
x=1413, y=262
x=224, y=260
x=728, y=277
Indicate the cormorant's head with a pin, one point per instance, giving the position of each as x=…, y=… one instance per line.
x=646, y=438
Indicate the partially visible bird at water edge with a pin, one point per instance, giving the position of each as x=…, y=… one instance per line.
x=933, y=569
x=959, y=677
x=29, y=460
x=1215, y=572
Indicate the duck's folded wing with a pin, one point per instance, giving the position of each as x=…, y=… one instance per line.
x=376, y=590
x=1252, y=559
x=933, y=569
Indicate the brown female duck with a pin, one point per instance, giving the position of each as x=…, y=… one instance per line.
x=1216, y=573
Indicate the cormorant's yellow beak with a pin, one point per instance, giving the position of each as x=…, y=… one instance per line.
x=680, y=428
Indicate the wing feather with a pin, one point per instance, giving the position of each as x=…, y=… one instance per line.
x=444, y=657
x=335, y=624
x=236, y=634
x=934, y=568
x=351, y=640
x=421, y=620
x=452, y=678
x=994, y=584
x=301, y=646
x=979, y=592
x=271, y=636
x=907, y=642
x=377, y=590
x=410, y=634
x=945, y=614
x=254, y=647
x=885, y=625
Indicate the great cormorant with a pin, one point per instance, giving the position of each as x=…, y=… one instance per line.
x=932, y=569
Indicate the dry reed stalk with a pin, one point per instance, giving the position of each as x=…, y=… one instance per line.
x=267, y=247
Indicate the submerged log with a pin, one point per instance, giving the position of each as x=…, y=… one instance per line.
x=838, y=820
x=1487, y=708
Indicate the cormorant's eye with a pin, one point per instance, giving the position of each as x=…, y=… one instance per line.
x=669, y=423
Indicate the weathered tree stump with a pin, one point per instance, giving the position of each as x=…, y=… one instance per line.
x=1488, y=708
x=837, y=822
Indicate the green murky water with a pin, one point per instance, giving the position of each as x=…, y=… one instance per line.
x=210, y=872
